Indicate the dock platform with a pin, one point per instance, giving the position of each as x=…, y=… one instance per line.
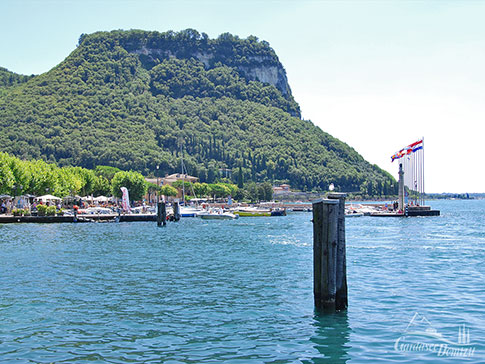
x=411, y=211
x=4, y=219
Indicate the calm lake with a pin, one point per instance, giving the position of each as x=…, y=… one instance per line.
x=241, y=291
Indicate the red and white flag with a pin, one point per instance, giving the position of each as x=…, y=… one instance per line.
x=125, y=202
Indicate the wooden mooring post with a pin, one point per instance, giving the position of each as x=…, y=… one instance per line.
x=161, y=214
x=176, y=211
x=341, y=298
x=329, y=262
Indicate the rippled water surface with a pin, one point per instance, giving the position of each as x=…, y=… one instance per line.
x=241, y=291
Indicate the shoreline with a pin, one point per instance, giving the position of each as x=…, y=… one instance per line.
x=7, y=219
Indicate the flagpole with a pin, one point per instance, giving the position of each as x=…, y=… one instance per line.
x=416, y=176
x=422, y=166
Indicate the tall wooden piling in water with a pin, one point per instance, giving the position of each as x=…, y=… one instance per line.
x=329, y=262
x=341, y=297
x=161, y=214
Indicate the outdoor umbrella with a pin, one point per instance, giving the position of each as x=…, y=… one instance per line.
x=47, y=198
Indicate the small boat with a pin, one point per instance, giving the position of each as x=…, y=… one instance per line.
x=353, y=214
x=95, y=211
x=188, y=211
x=278, y=212
x=216, y=214
x=251, y=211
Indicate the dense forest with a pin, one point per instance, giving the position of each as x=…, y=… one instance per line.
x=8, y=78
x=134, y=100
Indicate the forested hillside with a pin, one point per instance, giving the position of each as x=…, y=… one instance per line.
x=132, y=99
x=8, y=78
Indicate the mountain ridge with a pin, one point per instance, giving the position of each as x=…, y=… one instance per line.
x=112, y=102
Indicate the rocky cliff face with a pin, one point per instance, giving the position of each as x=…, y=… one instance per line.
x=262, y=69
x=253, y=59
x=274, y=75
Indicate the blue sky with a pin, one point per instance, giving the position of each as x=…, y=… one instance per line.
x=376, y=74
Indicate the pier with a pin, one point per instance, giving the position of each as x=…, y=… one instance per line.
x=4, y=219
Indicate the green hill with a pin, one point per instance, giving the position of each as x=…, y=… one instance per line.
x=129, y=99
x=8, y=78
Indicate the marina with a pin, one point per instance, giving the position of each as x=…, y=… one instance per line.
x=410, y=202
x=5, y=219
x=353, y=209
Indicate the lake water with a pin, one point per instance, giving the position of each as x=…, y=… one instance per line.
x=241, y=291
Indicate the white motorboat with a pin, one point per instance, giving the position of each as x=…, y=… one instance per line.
x=189, y=211
x=216, y=214
x=353, y=214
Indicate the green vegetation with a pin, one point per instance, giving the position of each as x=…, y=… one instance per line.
x=168, y=191
x=42, y=210
x=131, y=99
x=133, y=181
x=256, y=192
x=37, y=177
x=8, y=78
x=217, y=190
x=50, y=211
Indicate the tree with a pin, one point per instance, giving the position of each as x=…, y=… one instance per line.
x=239, y=194
x=7, y=180
x=133, y=181
x=179, y=184
x=232, y=188
x=101, y=186
x=168, y=190
x=240, y=179
x=201, y=189
x=251, y=191
x=267, y=191
x=219, y=190
x=107, y=172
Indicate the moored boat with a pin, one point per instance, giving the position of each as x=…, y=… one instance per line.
x=251, y=212
x=216, y=214
x=188, y=211
x=278, y=212
x=353, y=214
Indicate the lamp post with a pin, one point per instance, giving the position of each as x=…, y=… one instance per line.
x=158, y=185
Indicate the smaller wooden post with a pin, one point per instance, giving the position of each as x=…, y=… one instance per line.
x=161, y=214
x=176, y=211
x=164, y=213
x=75, y=215
x=325, y=236
x=341, y=300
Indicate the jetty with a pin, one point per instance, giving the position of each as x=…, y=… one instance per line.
x=4, y=219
